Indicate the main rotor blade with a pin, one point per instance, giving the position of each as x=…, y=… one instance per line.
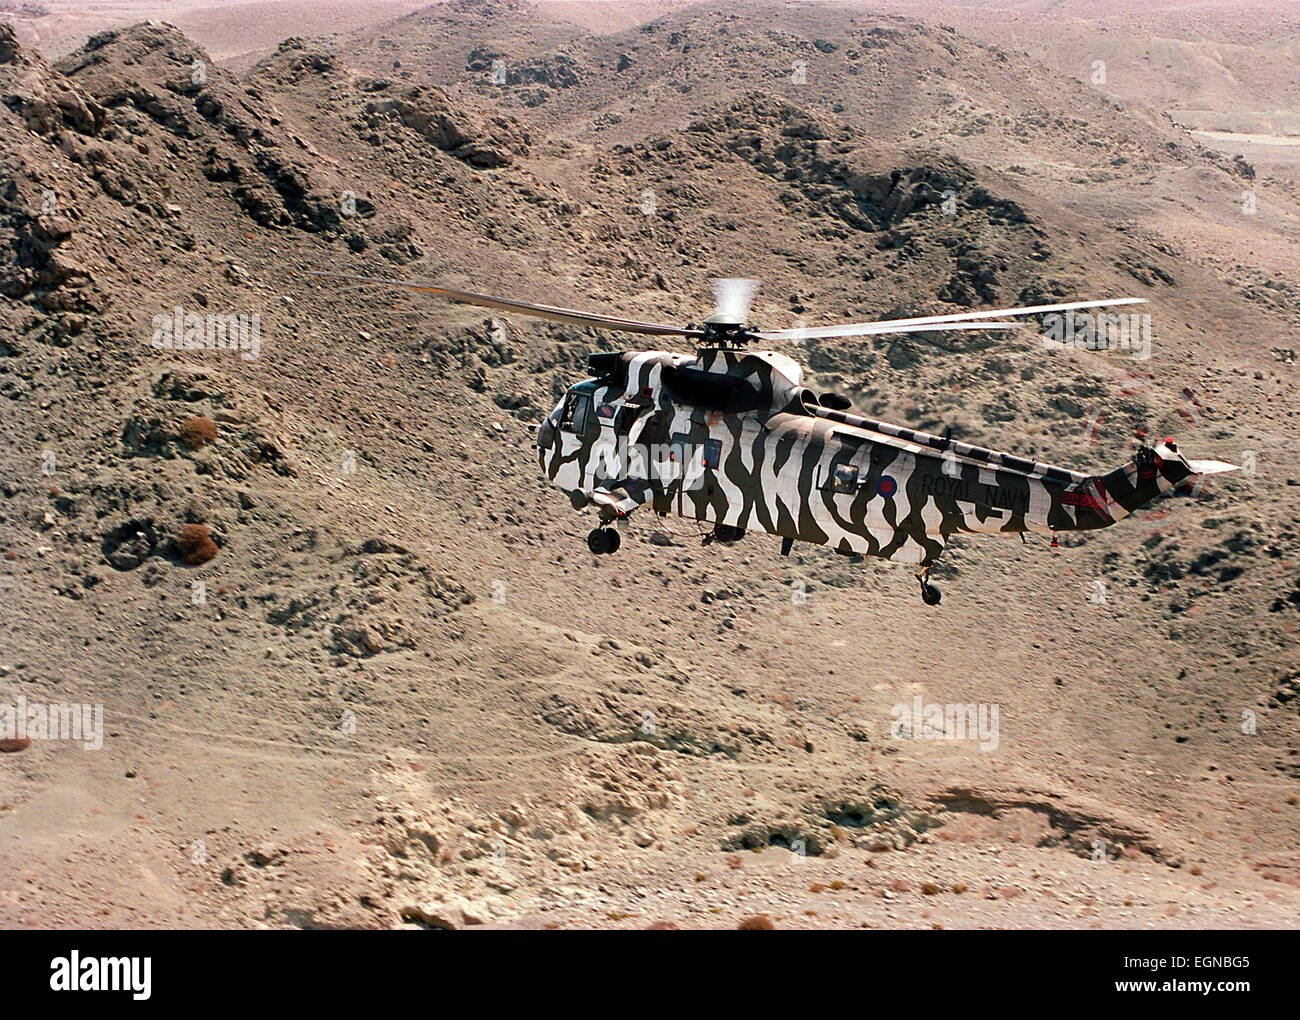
x=522, y=307
x=869, y=328
x=877, y=328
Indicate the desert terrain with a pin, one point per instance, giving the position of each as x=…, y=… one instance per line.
x=356, y=665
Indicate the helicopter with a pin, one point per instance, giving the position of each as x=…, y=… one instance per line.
x=732, y=438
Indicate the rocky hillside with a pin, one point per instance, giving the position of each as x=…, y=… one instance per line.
x=356, y=663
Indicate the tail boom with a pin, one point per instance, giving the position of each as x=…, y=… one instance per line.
x=1101, y=500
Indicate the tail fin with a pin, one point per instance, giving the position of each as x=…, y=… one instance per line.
x=1152, y=471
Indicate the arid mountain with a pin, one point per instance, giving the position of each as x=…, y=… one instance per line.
x=1173, y=56
x=900, y=82
x=356, y=663
x=1225, y=70
x=897, y=77
x=236, y=32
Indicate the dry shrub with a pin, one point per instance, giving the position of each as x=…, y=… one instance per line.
x=198, y=432
x=759, y=922
x=195, y=544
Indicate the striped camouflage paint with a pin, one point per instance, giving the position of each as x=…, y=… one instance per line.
x=758, y=453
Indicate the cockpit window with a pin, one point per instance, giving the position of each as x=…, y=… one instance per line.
x=577, y=411
x=581, y=413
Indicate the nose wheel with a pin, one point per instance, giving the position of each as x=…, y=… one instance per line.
x=930, y=593
x=602, y=541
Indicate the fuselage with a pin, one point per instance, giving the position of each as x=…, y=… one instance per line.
x=732, y=438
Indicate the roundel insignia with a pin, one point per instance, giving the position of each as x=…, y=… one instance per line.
x=886, y=486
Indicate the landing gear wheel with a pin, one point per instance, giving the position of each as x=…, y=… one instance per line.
x=603, y=540
x=930, y=593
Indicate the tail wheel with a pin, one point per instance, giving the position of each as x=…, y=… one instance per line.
x=930, y=594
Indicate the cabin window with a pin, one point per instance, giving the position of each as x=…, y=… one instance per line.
x=712, y=453
x=844, y=478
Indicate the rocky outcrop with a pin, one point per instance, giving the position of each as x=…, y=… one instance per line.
x=480, y=141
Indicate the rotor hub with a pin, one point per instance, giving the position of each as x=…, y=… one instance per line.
x=720, y=331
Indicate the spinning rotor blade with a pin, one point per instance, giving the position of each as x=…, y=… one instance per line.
x=523, y=307
x=877, y=328
x=870, y=328
x=731, y=300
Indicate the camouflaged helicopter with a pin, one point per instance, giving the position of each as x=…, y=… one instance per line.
x=731, y=437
